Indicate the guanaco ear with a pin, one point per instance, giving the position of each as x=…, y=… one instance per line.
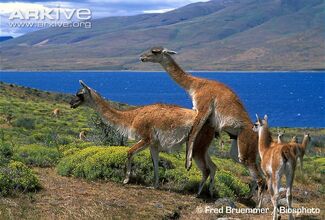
x=170, y=52
x=265, y=117
x=84, y=85
x=257, y=118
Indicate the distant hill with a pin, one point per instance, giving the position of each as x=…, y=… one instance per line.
x=215, y=35
x=4, y=38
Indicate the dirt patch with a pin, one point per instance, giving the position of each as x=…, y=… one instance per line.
x=71, y=198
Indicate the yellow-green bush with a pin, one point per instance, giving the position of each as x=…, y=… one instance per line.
x=36, y=155
x=16, y=176
x=109, y=164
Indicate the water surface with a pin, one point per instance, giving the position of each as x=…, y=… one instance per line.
x=291, y=99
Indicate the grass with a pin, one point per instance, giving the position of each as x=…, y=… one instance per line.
x=36, y=155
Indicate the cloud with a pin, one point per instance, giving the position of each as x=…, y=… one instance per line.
x=158, y=10
x=6, y=9
x=99, y=8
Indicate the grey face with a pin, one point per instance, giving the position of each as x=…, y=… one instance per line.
x=259, y=123
x=156, y=55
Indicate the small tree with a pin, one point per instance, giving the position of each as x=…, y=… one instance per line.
x=102, y=133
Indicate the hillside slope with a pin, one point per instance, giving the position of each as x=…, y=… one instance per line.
x=215, y=35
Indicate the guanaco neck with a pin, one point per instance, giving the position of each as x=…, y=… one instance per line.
x=184, y=79
x=305, y=142
x=264, y=140
x=108, y=112
x=279, y=139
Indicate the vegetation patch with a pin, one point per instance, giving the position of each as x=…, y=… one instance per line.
x=14, y=175
x=109, y=164
x=36, y=155
x=17, y=177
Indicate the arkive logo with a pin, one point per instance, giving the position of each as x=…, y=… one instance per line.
x=51, y=14
x=51, y=17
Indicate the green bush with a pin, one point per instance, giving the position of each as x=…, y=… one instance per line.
x=37, y=155
x=28, y=123
x=6, y=153
x=109, y=164
x=17, y=177
x=72, y=164
x=76, y=144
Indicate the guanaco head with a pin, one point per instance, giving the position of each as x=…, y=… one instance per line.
x=307, y=137
x=82, y=96
x=156, y=55
x=259, y=123
x=280, y=136
x=294, y=139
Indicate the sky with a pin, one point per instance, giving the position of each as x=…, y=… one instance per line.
x=99, y=9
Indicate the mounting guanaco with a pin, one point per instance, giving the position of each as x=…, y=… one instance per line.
x=213, y=99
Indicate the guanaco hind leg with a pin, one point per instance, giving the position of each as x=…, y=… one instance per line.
x=202, y=116
x=201, y=155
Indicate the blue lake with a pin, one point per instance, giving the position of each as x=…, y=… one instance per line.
x=291, y=99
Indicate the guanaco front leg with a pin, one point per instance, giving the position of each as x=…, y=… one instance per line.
x=201, y=118
x=142, y=144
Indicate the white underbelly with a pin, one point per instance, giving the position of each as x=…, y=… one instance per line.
x=171, y=140
x=223, y=121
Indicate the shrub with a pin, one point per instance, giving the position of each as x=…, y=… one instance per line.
x=233, y=183
x=37, y=155
x=6, y=153
x=72, y=164
x=78, y=144
x=104, y=134
x=17, y=177
x=27, y=123
x=109, y=164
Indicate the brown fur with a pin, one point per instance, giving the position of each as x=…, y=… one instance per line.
x=301, y=149
x=56, y=112
x=146, y=122
x=82, y=135
x=276, y=160
x=294, y=139
x=225, y=104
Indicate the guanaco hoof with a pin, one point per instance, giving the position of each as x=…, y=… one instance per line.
x=126, y=181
